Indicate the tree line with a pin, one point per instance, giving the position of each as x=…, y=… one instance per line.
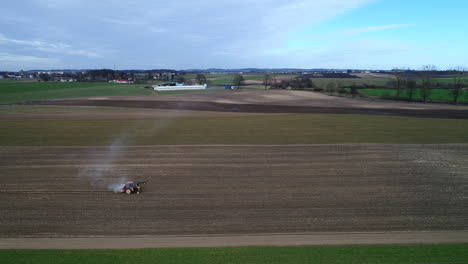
x=424, y=82
x=408, y=84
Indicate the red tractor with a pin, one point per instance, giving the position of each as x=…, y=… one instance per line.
x=131, y=187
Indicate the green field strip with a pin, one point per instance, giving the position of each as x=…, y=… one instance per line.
x=24, y=87
x=436, y=94
x=427, y=254
x=265, y=129
x=114, y=90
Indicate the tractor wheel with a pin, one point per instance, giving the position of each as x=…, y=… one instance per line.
x=128, y=191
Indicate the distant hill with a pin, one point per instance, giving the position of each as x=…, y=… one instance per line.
x=245, y=70
x=214, y=70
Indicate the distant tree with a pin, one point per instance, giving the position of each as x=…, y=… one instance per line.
x=273, y=83
x=149, y=76
x=307, y=83
x=427, y=81
x=267, y=80
x=458, y=84
x=331, y=86
x=110, y=76
x=44, y=77
x=342, y=91
x=101, y=75
x=124, y=75
x=79, y=77
x=411, y=85
x=301, y=82
x=296, y=84
x=284, y=84
x=340, y=84
x=398, y=82
x=180, y=79
x=238, y=80
x=201, y=78
x=354, y=90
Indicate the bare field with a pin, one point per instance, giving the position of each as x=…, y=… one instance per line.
x=268, y=102
x=62, y=191
x=215, y=195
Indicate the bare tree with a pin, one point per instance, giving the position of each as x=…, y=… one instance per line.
x=238, y=80
x=267, y=80
x=274, y=83
x=149, y=76
x=180, y=79
x=201, y=78
x=426, y=81
x=354, y=90
x=411, y=85
x=458, y=84
x=399, y=81
x=331, y=86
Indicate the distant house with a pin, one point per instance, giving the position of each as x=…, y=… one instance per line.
x=67, y=80
x=120, y=81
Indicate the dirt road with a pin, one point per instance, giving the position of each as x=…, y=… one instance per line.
x=202, y=190
x=297, y=239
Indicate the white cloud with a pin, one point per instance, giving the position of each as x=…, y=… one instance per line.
x=57, y=4
x=358, y=31
x=125, y=22
x=292, y=15
x=7, y=57
x=358, y=52
x=275, y=25
x=54, y=47
x=136, y=24
x=187, y=33
x=10, y=61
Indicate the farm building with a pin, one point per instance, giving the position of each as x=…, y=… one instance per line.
x=178, y=87
x=120, y=81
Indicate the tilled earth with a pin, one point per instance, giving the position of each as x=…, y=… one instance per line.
x=63, y=191
x=268, y=102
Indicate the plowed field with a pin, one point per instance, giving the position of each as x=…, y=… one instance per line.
x=63, y=191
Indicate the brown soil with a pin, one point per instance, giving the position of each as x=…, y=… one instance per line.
x=374, y=75
x=61, y=191
x=271, y=102
x=205, y=191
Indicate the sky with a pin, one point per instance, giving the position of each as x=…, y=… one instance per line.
x=187, y=34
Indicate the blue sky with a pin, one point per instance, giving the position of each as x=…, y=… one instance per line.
x=183, y=34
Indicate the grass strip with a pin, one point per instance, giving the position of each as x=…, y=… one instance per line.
x=267, y=129
x=428, y=254
x=436, y=94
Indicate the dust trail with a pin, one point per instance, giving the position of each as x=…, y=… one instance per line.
x=106, y=175
x=109, y=175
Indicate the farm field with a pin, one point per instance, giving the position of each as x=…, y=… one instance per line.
x=429, y=254
x=436, y=94
x=339, y=82
x=63, y=191
x=236, y=163
x=16, y=92
x=20, y=91
x=226, y=79
x=270, y=129
x=225, y=117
